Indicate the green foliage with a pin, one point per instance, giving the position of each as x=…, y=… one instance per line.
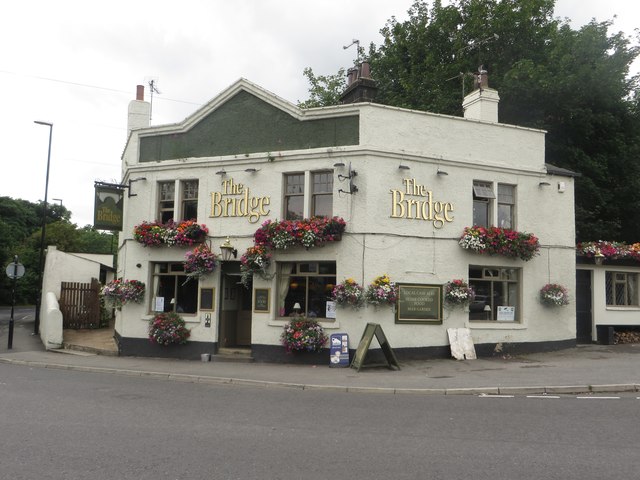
x=574, y=84
x=324, y=90
x=21, y=233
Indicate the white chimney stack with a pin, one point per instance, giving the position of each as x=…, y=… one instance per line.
x=139, y=111
x=482, y=103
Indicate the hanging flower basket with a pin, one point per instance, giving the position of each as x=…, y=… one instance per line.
x=500, y=241
x=458, y=292
x=382, y=291
x=186, y=233
x=554, y=295
x=167, y=329
x=348, y=293
x=303, y=335
x=120, y=292
x=200, y=261
x=255, y=261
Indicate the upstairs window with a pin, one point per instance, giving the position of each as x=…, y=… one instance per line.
x=190, y=200
x=167, y=201
x=488, y=211
x=482, y=199
x=506, y=205
x=322, y=199
x=294, y=196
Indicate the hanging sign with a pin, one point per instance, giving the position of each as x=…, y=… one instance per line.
x=107, y=213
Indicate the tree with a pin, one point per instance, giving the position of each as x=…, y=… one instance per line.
x=20, y=234
x=572, y=83
x=324, y=89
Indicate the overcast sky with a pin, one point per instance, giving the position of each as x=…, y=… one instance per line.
x=76, y=65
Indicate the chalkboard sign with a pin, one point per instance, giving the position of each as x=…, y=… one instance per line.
x=419, y=303
x=261, y=300
x=365, y=342
x=207, y=298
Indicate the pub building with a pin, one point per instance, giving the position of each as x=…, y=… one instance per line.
x=405, y=183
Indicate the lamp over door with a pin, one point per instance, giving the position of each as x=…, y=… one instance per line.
x=227, y=250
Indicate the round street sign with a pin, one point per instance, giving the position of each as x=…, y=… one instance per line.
x=15, y=270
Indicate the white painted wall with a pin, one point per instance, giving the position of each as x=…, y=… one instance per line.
x=51, y=323
x=407, y=250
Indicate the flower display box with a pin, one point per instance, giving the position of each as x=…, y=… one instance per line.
x=186, y=233
x=500, y=241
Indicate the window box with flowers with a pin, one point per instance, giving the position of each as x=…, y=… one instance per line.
x=382, y=291
x=199, y=262
x=605, y=250
x=500, y=241
x=458, y=292
x=348, y=294
x=255, y=261
x=168, y=329
x=302, y=334
x=186, y=233
x=308, y=233
x=554, y=295
x=119, y=292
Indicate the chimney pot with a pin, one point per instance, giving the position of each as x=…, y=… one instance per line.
x=365, y=70
x=140, y=92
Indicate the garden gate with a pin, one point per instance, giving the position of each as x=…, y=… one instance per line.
x=80, y=304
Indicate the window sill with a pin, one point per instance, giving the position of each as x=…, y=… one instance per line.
x=620, y=308
x=328, y=323
x=494, y=325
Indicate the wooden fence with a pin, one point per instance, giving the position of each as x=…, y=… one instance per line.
x=80, y=304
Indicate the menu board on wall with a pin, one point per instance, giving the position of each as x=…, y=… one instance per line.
x=419, y=303
x=261, y=300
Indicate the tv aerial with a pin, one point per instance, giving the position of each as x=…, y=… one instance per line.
x=153, y=88
x=355, y=42
x=472, y=45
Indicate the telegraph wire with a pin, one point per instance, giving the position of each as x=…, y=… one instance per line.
x=86, y=85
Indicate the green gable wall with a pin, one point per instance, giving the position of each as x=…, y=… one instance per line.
x=246, y=124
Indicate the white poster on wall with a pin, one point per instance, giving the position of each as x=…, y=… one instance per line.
x=506, y=314
x=159, y=304
x=331, y=310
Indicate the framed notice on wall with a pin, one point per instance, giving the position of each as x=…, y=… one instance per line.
x=419, y=303
x=261, y=300
x=207, y=299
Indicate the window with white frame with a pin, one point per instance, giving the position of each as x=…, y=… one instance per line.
x=189, y=199
x=294, y=196
x=506, y=205
x=166, y=205
x=322, y=197
x=622, y=288
x=170, y=283
x=308, y=194
x=485, y=205
x=308, y=284
x=483, y=197
x=494, y=287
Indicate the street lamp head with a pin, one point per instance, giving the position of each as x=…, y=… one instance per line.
x=43, y=123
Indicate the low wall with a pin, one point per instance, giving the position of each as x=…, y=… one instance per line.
x=51, y=322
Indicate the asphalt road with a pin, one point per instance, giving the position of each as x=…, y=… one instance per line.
x=59, y=424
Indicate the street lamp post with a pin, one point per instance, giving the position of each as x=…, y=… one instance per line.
x=36, y=327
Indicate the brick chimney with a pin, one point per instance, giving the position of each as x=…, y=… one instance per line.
x=139, y=111
x=360, y=86
x=482, y=102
